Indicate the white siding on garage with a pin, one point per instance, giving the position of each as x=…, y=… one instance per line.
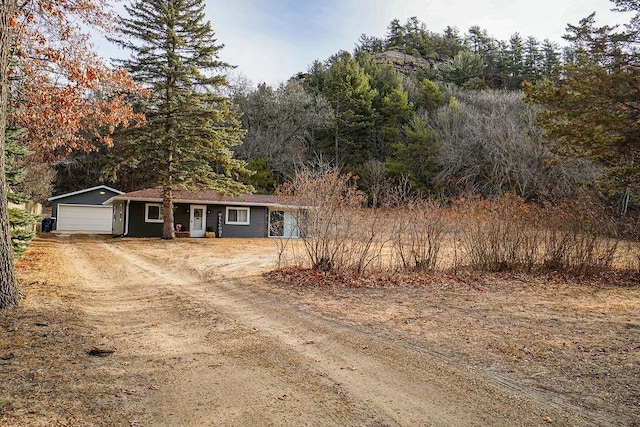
x=94, y=219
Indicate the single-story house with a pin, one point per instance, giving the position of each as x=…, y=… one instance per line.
x=139, y=214
x=83, y=210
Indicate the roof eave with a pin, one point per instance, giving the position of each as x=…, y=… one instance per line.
x=201, y=202
x=86, y=190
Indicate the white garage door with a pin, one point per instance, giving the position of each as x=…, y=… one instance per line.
x=92, y=219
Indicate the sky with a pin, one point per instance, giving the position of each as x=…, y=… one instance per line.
x=271, y=40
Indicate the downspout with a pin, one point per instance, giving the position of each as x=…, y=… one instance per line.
x=126, y=218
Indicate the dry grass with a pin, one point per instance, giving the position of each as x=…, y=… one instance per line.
x=46, y=376
x=577, y=337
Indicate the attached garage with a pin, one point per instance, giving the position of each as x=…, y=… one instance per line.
x=83, y=212
x=91, y=219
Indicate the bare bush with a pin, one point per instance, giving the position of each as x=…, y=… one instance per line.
x=501, y=233
x=417, y=229
x=498, y=233
x=339, y=232
x=579, y=236
x=505, y=234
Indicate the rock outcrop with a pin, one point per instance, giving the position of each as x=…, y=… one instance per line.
x=403, y=62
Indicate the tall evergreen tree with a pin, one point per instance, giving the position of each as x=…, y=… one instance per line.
x=515, y=62
x=532, y=60
x=479, y=42
x=370, y=44
x=450, y=42
x=190, y=124
x=593, y=104
x=348, y=90
x=396, y=34
x=415, y=156
x=390, y=103
x=551, y=58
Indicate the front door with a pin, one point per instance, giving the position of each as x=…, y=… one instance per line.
x=197, y=221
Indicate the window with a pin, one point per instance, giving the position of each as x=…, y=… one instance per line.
x=153, y=212
x=238, y=216
x=283, y=224
x=276, y=223
x=117, y=212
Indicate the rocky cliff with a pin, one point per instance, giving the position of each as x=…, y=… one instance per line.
x=403, y=62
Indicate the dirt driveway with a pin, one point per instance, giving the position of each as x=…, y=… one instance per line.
x=191, y=334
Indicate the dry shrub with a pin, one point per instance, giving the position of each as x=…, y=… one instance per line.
x=338, y=231
x=579, y=236
x=498, y=233
x=417, y=230
x=505, y=234
x=502, y=233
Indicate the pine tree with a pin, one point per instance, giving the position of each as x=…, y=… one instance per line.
x=479, y=42
x=348, y=90
x=592, y=104
x=450, y=42
x=551, y=58
x=515, y=62
x=532, y=60
x=190, y=124
x=415, y=156
x=19, y=219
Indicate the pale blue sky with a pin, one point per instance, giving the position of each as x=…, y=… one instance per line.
x=271, y=40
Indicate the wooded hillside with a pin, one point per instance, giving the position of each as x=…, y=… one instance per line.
x=443, y=112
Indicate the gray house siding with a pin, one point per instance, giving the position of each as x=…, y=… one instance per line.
x=257, y=224
x=92, y=197
x=137, y=227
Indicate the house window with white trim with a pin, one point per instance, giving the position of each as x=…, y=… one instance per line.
x=153, y=212
x=238, y=216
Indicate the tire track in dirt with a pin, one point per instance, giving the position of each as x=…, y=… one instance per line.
x=409, y=386
x=390, y=394
x=223, y=352
x=207, y=369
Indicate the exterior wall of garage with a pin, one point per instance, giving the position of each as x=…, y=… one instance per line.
x=90, y=197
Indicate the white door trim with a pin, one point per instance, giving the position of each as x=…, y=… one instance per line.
x=194, y=231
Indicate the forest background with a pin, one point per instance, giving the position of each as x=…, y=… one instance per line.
x=440, y=115
x=443, y=110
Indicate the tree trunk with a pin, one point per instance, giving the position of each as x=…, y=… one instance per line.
x=168, y=229
x=9, y=292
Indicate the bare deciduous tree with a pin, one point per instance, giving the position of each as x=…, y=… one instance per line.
x=490, y=144
x=280, y=124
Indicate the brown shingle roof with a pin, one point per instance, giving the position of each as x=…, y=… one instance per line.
x=206, y=196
